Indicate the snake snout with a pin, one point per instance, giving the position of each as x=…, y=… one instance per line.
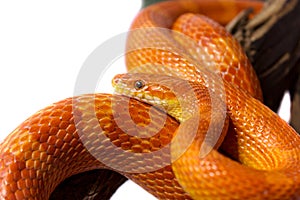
x=122, y=84
x=117, y=79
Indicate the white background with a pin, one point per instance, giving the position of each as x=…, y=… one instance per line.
x=43, y=44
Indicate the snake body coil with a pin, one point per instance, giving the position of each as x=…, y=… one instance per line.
x=89, y=131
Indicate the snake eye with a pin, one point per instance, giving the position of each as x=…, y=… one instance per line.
x=139, y=84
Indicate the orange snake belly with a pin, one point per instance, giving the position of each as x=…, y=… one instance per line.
x=50, y=145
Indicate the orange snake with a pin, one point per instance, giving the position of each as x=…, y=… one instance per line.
x=48, y=147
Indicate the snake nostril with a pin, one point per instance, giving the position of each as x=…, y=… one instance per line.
x=116, y=79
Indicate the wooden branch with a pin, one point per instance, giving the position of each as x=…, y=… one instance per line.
x=146, y=3
x=272, y=43
x=295, y=111
x=89, y=185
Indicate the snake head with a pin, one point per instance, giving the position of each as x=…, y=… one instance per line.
x=173, y=95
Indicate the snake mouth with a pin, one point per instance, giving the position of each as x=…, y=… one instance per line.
x=162, y=92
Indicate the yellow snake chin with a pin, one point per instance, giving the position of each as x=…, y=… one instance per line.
x=172, y=95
